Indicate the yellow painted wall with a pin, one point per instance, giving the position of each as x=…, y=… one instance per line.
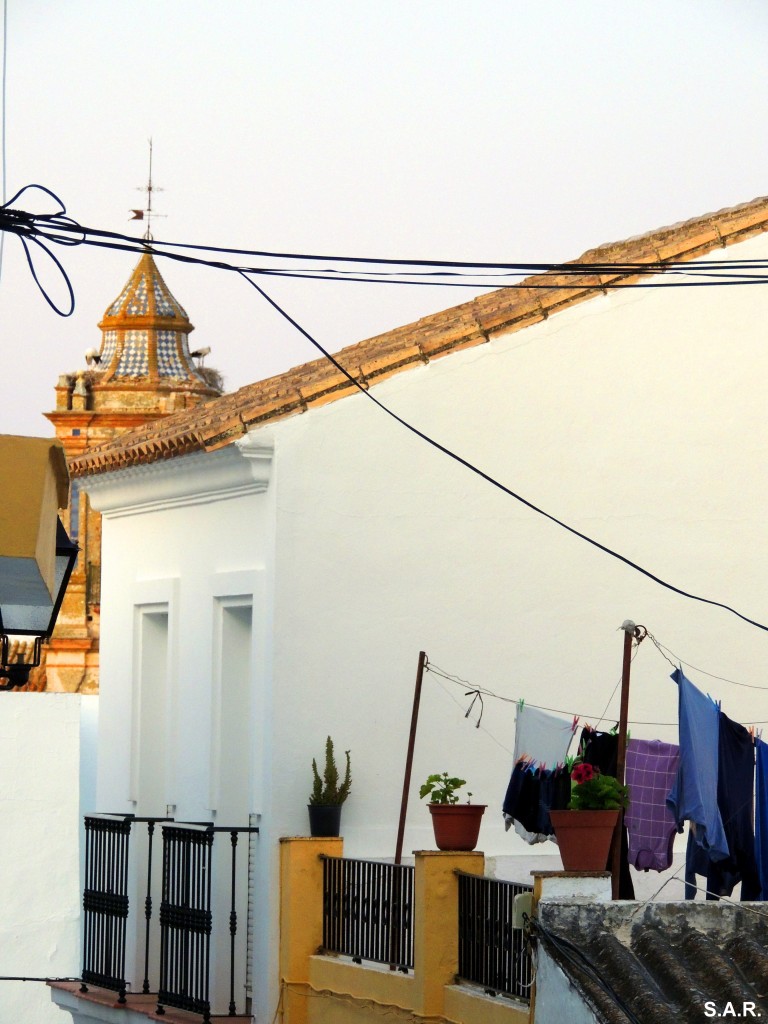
x=322, y=989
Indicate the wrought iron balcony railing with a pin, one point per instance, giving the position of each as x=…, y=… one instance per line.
x=367, y=910
x=198, y=956
x=492, y=952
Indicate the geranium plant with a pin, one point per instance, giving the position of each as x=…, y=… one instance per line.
x=593, y=791
x=441, y=789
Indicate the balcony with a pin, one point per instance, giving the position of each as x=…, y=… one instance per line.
x=191, y=955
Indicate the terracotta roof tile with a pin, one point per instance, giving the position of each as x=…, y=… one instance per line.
x=220, y=421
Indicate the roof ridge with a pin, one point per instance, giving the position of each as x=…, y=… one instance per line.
x=218, y=422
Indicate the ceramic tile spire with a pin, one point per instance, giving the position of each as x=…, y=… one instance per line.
x=145, y=332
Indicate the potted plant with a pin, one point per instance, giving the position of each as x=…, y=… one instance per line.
x=328, y=794
x=456, y=825
x=585, y=830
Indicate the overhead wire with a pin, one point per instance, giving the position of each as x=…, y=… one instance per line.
x=492, y=480
x=29, y=227
x=431, y=667
x=568, y=712
x=665, y=652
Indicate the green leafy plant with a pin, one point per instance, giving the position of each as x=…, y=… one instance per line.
x=593, y=791
x=441, y=789
x=328, y=790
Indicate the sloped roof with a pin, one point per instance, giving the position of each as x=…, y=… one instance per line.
x=675, y=959
x=222, y=420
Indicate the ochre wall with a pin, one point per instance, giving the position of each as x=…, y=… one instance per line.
x=323, y=989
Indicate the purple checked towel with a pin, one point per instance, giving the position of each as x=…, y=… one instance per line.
x=650, y=771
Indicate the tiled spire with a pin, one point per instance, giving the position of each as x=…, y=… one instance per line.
x=145, y=331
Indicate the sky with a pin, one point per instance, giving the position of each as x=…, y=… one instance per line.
x=493, y=130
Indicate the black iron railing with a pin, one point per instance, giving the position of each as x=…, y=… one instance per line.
x=106, y=900
x=187, y=919
x=491, y=952
x=198, y=921
x=367, y=910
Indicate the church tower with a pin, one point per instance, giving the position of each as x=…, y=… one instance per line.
x=142, y=371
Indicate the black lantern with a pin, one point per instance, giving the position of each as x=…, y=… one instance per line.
x=25, y=626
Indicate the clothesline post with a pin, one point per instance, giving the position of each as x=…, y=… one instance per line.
x=409, y=756
x=631, y=632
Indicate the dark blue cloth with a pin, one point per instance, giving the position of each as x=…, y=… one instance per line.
x=533, y=792
x=694, y=794
x=735, y=781
x=761, y=815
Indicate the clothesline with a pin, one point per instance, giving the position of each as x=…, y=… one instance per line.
x=474, y=691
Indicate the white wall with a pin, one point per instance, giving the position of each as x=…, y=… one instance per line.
x=637, y=417
x=39, y=867
x=192, y=548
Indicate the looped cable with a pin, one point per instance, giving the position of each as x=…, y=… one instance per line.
x=32, y=227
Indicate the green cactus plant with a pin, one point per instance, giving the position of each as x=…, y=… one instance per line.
x=327, y=789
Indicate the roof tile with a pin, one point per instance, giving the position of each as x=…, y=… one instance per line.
x=218, y=422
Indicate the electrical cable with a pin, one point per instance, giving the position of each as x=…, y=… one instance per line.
x=10, y=977
x=59, y=228
x=573, y=267
x=492, y=480
x=577, y=958
x=680, y=661
x=26, y=226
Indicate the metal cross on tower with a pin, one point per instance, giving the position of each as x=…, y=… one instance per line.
x=149, y=188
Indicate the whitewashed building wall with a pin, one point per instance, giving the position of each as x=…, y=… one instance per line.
x=637, y=417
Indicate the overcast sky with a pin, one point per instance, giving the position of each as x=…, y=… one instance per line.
x=476, y=130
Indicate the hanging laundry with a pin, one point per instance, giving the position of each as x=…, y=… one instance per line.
x=694, y=794
x=537, y=785
x=735, y=781
x=650, y=773
x=761, y=814
x=600, y=749
x=531, y=794
x=541, y=737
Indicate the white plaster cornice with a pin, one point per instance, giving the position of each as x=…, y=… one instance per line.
x=241, y=468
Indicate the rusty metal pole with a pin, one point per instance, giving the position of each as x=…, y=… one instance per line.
x=631, y=632
x=409, y=757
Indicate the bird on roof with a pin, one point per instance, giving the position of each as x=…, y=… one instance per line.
x=201, y=353
x=92, y=356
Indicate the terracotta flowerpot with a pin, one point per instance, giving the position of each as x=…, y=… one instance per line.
x=584, y=838
x=456, y=826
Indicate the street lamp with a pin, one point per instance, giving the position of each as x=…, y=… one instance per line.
x=24, y=626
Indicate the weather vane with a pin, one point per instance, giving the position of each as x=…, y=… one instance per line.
x=149, y=188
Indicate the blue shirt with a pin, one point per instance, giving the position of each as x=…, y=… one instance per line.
x=694, y=794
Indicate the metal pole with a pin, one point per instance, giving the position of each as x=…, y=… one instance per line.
x=631, y=632
x=409, y=756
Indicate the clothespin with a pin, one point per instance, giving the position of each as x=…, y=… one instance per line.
x=575, y=723
x=521, y=704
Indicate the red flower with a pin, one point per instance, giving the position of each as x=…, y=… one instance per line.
x=582, y=773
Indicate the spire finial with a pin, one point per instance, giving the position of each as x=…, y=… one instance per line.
x=149, y=188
